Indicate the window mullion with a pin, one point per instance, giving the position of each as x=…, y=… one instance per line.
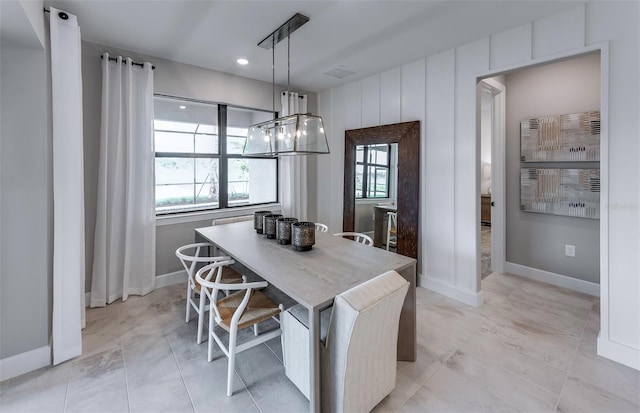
x=223, y=163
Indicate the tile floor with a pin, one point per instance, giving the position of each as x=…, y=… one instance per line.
x=529, y=348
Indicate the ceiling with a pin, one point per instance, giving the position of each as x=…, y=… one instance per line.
x=364, y=37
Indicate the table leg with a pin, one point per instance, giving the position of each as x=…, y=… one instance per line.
x=314, y=360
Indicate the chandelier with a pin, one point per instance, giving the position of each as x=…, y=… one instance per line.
x=297, y=134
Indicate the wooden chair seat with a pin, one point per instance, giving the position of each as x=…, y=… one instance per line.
x=259, y=308
x=229, y=276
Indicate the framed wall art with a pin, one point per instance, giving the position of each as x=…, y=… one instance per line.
x=565, y=138
x=561, y=191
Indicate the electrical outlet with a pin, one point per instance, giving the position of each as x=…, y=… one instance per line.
x=570, y=250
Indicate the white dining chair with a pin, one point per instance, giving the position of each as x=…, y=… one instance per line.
x=392, y=229
x=363, y=326
x=321, y=227
x=357, y=237
x=191, y=256
x=244, y=308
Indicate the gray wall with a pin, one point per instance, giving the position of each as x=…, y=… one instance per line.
x=25, y=201
x=538, y=240
x=175, y=79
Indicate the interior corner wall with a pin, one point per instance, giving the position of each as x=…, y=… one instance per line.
x=538, y=240
x=25, y=224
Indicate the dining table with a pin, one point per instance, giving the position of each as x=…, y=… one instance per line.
x=314, y=278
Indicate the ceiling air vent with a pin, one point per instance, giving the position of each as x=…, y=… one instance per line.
x=340, y=72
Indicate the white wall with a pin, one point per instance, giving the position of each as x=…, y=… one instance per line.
x=440, y=91
x=25, y=192
x=538, y=240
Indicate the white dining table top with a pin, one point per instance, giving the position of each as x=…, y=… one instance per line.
x=312, y=278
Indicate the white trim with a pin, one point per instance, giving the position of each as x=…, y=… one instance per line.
x=171, y=278
x=25, y=362
x=618, y=352
x=472, y=298
x=181, y=218
x=586, y=287
x=498, y=175
x=543, y=60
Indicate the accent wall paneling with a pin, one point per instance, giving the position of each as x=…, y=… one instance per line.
x=559, y=33
x=438, y=217
x=513, y=46
x=471, y=59
x=353, y=105
x=412, y=91
x=371, y=101
x=390, y=96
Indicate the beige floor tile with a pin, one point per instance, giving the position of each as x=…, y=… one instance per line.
x=405, y=389
x=613, y=377
x=449, y=391
x=555, y=350
x=498, y=353
x=469, y=359
x=582, y=397
x=507, y=386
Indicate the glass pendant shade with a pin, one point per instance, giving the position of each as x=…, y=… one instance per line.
x=300, y=134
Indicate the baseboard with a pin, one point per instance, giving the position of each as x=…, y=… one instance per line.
x=559, y=280
x=171, y=278
x=24, y=362
x=468, y=297
x=619, y=352
x=161, y=281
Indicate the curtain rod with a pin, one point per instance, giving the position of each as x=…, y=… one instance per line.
x=299, y=96
x=114, y=59
x=64, y=16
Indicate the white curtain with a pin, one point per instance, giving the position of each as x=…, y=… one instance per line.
x=125, y=237
x=293, y=169
x=68, y=187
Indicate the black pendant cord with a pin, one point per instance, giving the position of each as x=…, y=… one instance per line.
x=273, y=77
x=289, y=75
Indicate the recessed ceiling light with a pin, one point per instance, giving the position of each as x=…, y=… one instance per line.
x=242, y=61
x=182, y=107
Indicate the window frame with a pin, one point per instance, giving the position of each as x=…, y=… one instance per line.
x=223, y=160
x=365, y=172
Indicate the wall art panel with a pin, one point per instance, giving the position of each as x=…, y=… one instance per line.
x=559, y=191
x=566, y=138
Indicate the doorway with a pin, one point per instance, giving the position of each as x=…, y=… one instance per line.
x=491, y=93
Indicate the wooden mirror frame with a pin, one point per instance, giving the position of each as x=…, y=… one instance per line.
x=407, y=136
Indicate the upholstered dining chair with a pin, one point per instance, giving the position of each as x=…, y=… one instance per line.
x=190, y=257
x=244, y=308
x=357, y=237
x=321, y=227
x=359, y=353
x=392, y=229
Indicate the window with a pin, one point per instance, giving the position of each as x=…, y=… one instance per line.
x=373, y=171
x=199, y=163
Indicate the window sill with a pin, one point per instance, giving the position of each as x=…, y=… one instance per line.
x=196, y=216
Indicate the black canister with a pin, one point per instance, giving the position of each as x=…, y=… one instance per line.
x=283, y=230
x=269, y=225
x=303, y=235
x=258, y=221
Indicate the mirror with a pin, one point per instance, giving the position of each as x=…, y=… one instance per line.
x=376, y=192
x=406, y=140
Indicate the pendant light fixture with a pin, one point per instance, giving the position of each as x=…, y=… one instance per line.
x=297, y=134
